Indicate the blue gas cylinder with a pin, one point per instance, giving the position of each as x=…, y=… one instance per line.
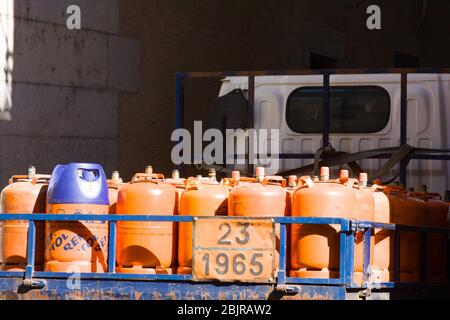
x=77, y=246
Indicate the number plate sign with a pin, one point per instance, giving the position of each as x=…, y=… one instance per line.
x=232, y=249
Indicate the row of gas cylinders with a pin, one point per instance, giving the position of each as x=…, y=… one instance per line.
x=161, y=247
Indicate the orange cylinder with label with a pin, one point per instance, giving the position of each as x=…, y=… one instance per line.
x=24, y=194
x=201, y=198
x=315, y=248
x=77, y=246
x=264, y=196
x=146, y=247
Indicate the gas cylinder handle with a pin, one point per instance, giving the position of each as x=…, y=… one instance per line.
x=142, y=176
x=351, y=182
x=40, y=177
x=394, y=190
x=227, y=181
x=18, y=177
x=435, y=194
x=305, y=180
x=376, y=187
x=34, y=180
x=268, y=179
x=112, y=184
x=158, y=176
x=148, y=176
x=192, y=183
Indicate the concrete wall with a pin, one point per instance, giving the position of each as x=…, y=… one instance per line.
x=208, y=35
x=62, y=86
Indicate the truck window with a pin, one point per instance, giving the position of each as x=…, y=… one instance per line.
x=353, y=109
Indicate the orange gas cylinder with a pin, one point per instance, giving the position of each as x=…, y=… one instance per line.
x=113, y=187
x=383, y=259
x=437, y=211
x=24, y=194
x=179, y=184
x=291, y=188
x=258, y=197
x=264, y=196
x=201, y=198
x=407, y=210
x=315, y=248
x=365, y=211
x=146, y=247
x=81, y=246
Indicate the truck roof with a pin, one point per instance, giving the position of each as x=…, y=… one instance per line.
x=341, y=79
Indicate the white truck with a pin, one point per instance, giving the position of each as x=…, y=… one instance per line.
x=364, y=114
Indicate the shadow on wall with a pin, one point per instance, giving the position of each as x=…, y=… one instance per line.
x=55, y=102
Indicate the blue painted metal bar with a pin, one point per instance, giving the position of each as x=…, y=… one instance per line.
x=342, y=257
x=168, y=219
x=323, y=281
x=346, y=225
x=31, y=248
x=113, y=217
x=91, y=217
x=282, y=256
x=415, y=284
x=386, y=285
x=12, y=274
x=112, y=246
x=386, y=226
x=366, y=259
x=117, y=276
x=423, y=256
x=326, y=110
x=349, y=257
x=310, y=220
x=397, y=253
x=402, y=227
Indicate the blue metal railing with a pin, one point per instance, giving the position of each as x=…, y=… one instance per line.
x=348, y=228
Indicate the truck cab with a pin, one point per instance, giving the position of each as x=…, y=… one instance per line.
x=364, y=115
